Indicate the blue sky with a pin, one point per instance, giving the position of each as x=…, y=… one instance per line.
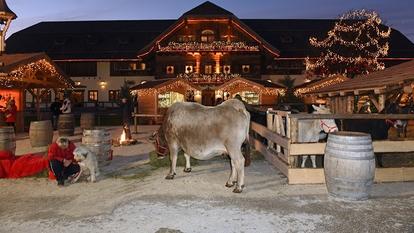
x=398, y=14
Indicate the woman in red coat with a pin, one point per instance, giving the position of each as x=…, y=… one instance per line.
x=10, y=114
x=61, y=160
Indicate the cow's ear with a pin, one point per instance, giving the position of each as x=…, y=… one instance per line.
x=85, y=155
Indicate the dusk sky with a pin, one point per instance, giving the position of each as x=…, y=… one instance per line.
x=397, y=14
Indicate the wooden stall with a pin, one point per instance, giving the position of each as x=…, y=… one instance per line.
x=149, y=93
x=281, y=147
x=33, y=72
x=388, y=85
x=304, y=89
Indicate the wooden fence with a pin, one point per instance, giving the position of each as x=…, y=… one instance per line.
x=282, y=149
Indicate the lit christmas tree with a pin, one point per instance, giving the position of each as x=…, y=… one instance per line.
x=352, y=47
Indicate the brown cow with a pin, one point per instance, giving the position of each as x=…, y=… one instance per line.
x=204, y=132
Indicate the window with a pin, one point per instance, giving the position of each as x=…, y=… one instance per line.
x=207, y=36
x=127, y=68
x=186, y=38
x=249, y=96
x=113, y=95
x=169, y=70
x=166, y=99
x=78, y=69
x=208, y=69
x=188, y=69
x=77, y=97
x=227, y=69
x=92, y=95
x=246, y=69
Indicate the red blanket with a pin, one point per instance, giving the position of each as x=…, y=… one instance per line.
x=21, y=166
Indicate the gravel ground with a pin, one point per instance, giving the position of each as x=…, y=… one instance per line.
x=133, y=197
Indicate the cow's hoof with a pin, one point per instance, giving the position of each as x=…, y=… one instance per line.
x=169, y=177
x=238, y=189
x=231, y=184
x=187, y=170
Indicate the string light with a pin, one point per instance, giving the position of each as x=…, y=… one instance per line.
x=177, y=84
x=352, y=47
x=240, y=84
x=320, y=84
x=222, y=46
x=19, y=75
x=208, y=78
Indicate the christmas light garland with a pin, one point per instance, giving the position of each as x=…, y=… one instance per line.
x=366, y=42
x=213, y=46
x=172, y=86
x=320, y=84
x=208, y=78
x=19, y=74
x=243, y=85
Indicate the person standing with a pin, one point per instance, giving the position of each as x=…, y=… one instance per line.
x=61, y=161
x=10, y=114
x=55, y=110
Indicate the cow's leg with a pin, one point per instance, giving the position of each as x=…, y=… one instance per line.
x=233, y=175
x=313, y=158
x=238, y=160
x=173, y=160
x=187, y=163
x=304, y=158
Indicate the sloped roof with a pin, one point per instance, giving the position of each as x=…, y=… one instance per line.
x=207, y=9
x=5, y=10
x=253, y=82
x=392, y=76
x=123, y=39
x=265, y=83
x=12, y=62
x=161, y=83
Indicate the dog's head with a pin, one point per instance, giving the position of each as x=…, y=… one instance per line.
x=80, y=153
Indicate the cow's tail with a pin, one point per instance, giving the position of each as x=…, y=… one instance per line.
x=246, y=143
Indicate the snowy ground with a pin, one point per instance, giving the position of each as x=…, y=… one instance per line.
x=197, y=202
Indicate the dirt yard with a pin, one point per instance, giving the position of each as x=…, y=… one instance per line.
x=133, y=196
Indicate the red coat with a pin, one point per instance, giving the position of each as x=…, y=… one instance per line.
x=11, y=114
x=55, y=152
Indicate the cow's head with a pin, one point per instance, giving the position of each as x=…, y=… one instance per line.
x=326, y=125
x=160, y=144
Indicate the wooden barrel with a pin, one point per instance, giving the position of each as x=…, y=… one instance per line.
x=98, y=141
x=41, y=133
x=349, y=165
x=87, y=121
x=66, y=125
x=7, y=139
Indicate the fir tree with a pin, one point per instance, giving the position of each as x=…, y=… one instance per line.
x=352, y=47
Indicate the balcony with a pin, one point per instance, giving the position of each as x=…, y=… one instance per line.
x=215, y=46
x=215, y=79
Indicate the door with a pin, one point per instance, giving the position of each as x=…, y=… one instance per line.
x=208, y=97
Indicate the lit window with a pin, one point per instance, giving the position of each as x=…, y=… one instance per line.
x=113, y=95
x=208, y=69
x=188, y=69
x=92, y=95
x=143, y=66
x=165, y=100
x=207, y=36
x=249, y=97
x=246, y=68
x=170, y=70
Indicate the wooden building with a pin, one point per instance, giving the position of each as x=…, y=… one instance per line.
x=206, y=43
x=33, y=73
x=393, y=84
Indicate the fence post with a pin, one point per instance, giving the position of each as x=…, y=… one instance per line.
x=135, y=121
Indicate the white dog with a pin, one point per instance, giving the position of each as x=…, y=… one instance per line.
x=87, y=159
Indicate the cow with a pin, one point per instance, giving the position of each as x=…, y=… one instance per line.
x=204, y=132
